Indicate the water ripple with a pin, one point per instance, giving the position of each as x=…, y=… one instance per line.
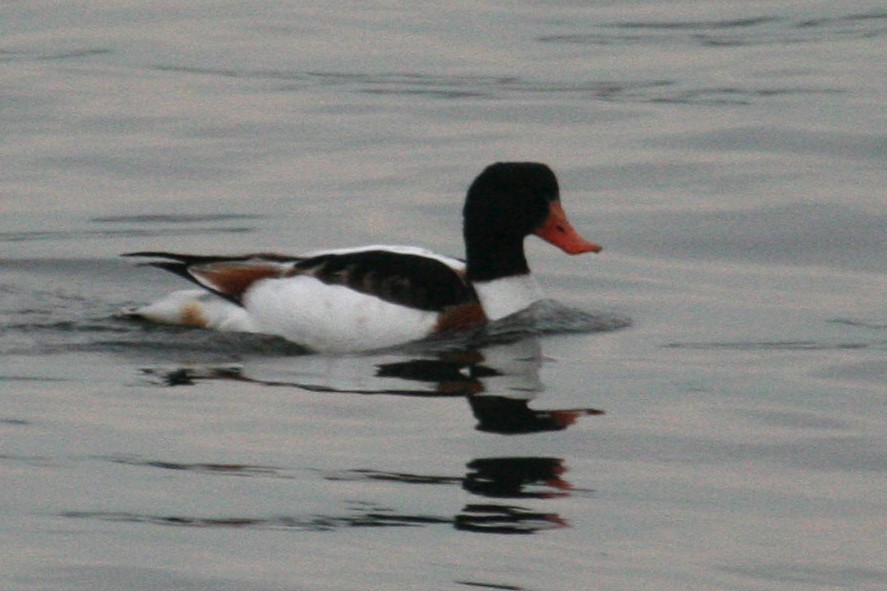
x=76, y=235
x=317, y=523
x=410, y=84
x=9, y=55
x=242, y=470
x=177, y=218
x=764, y=30
x=768, y=346
x=431, y=85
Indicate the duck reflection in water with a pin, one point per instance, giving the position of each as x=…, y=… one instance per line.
x=498, y=382
x=515, y=479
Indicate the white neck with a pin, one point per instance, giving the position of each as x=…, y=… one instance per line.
x=507, y=295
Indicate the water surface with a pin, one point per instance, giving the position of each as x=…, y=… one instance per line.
x=718, y=425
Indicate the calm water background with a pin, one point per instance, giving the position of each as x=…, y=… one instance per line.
x=729, y=155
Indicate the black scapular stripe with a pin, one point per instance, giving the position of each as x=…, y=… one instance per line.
x=400, y=278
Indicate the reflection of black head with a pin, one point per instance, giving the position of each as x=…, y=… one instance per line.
x=498, y=414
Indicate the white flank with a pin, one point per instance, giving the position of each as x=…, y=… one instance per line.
x=503, y=297
x=332, y=318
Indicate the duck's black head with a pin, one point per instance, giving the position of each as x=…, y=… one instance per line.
x=507, y=202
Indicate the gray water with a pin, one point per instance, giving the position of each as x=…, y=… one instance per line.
x=714, y=421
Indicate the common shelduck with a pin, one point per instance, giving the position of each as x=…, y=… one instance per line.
x=381, y=296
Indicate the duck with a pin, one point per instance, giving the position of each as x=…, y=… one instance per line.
x=381, y=296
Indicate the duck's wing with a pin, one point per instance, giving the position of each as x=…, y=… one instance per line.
x=227, y=276
x=406, y=276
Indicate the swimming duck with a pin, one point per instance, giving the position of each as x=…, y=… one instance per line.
x=380, y=296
